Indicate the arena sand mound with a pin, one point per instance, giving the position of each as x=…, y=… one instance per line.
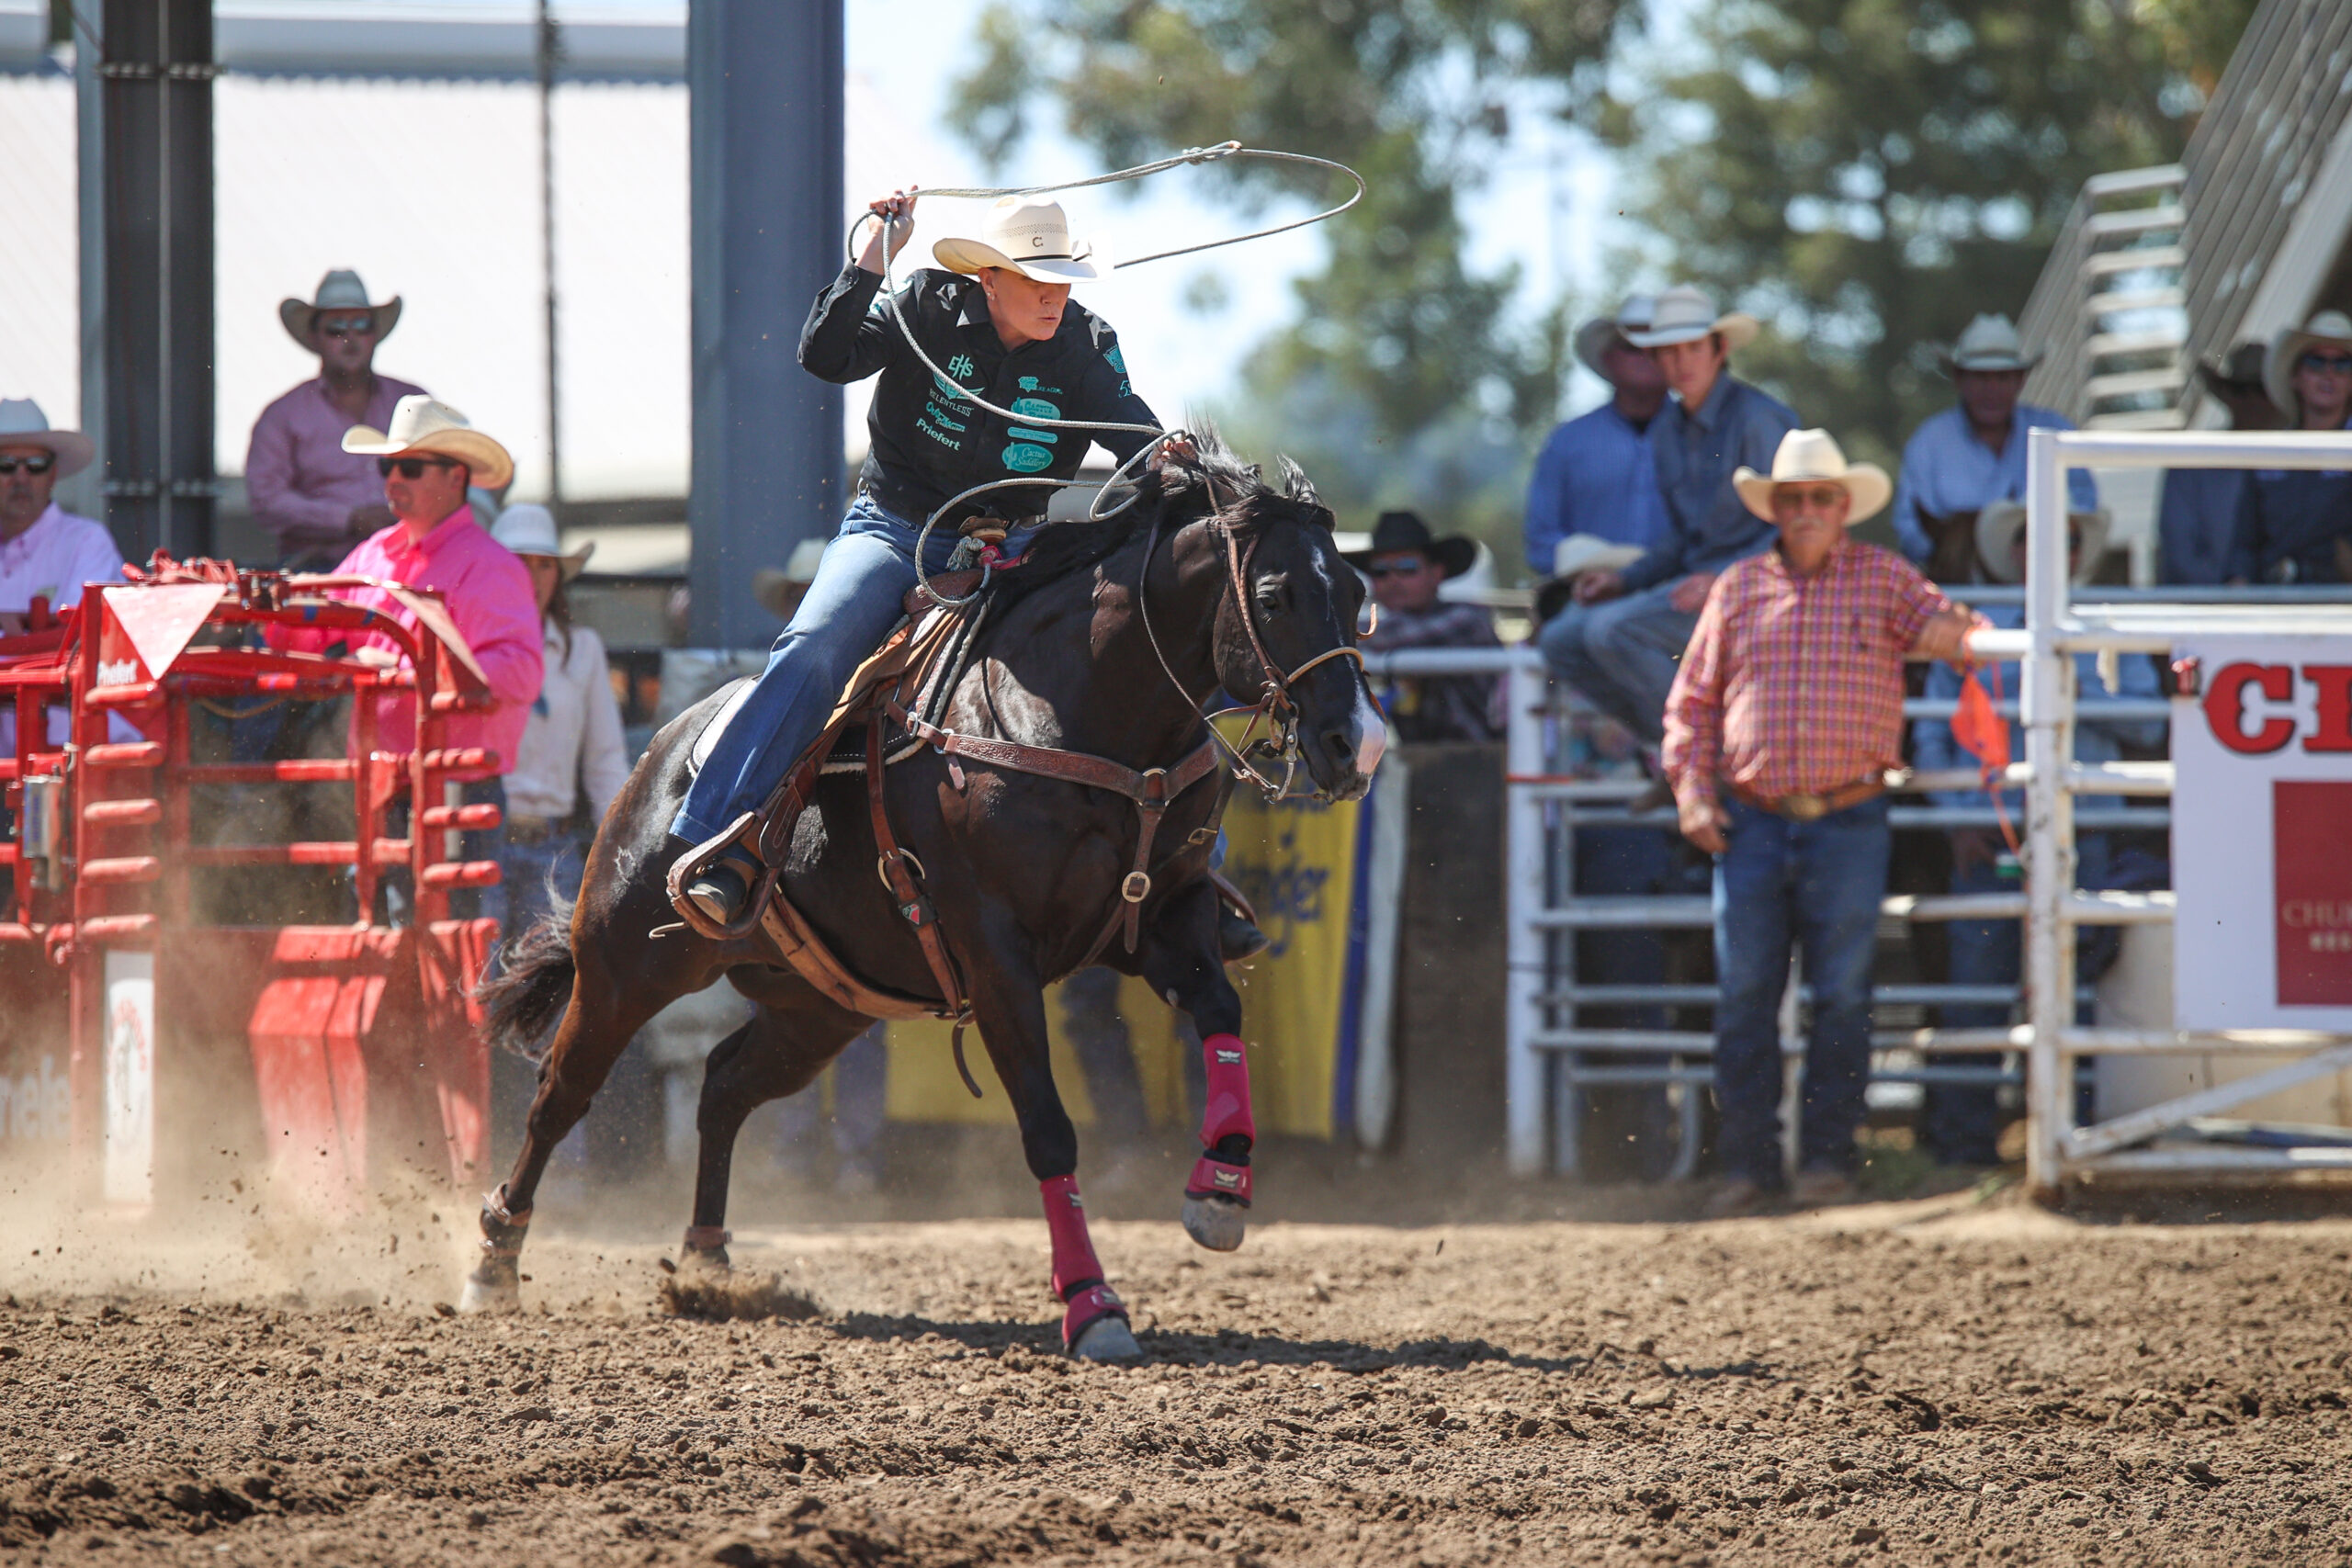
x=1929, y=1384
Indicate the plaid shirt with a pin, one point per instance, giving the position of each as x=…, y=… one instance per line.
x=1794, y=685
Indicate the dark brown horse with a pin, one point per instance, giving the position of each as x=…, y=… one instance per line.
x=1242, y=587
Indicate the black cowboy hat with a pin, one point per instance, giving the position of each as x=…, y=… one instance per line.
x=2240, y=372
x=1395, y=531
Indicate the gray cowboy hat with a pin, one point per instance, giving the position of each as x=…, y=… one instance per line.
x=1594, y=337
x=1685, y=314
x=1405, y=531
x=1990, y=343
x=2331, y=327
x=339, y=291
x=527, y=528
x=2240, y=370
x=23, y=424
x=1999, y=523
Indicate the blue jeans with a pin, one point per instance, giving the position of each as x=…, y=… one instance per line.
x=1622, y=654
x=857, y=596
x=1818, y=884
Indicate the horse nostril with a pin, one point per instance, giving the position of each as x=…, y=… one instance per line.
x=1341, y=744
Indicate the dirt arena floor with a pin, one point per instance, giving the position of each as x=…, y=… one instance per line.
x=1961, y=1378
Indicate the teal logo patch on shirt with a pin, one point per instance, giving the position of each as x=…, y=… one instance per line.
x=1036, y=408
x=1117, y=360
x=1024, y=458
x=1022, y=433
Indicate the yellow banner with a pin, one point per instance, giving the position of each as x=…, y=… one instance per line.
x=1296, y=861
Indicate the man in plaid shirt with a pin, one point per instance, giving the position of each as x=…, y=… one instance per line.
x=1782, y=722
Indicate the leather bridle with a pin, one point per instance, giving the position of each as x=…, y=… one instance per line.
x=1274, y=707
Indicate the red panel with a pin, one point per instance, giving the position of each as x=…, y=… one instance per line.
x=297, y=1085
x=2313, y=883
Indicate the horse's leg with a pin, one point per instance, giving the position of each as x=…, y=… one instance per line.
x=1179, y=956
x=1009, y=1004
x=773, y=1055
x=598, y=1024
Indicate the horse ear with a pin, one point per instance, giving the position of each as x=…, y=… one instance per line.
x=1297, y=486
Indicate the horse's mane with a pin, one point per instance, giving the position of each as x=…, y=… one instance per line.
x=1186, y=494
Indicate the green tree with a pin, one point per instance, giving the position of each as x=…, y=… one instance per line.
x=1866, y=175
x=1397, y=343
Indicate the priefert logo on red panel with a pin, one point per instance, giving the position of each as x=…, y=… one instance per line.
x=2312, y=879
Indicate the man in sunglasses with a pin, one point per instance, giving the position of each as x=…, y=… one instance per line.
x=1407, y=565
x=2296, y=525
x=46, y=552
x=315, y=498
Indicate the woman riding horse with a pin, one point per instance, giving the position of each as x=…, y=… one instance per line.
x=999, y=321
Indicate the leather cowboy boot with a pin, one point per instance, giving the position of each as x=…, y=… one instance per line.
x=724, y=886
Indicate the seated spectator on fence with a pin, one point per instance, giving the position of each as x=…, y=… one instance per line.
x=427, y=456
x=316, y=499
x=1961, y=1124
x=1973, y=454
x=1619, y=642
x=46, y=552
x=1786, y=716
x=1406, y=566
x=1596, y=475
x=2198, y=512
x=2295, y=524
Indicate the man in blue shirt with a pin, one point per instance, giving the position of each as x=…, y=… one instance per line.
x=2295, y=524
x=1595, y=475
x=2199, y=509
x=1973, y=453
x=1620, y=642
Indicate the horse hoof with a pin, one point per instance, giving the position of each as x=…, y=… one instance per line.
x=490, y=1295
x=1215, y=1222
x=1107, y=1339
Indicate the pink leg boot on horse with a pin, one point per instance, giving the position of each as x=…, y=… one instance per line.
x=1094, y=1321
x=1218, y=1192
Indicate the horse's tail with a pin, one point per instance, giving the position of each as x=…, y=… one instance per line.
x=525, y=990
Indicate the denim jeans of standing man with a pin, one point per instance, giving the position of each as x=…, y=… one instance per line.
x=857, y=596
x=1622, y=654
x=1816, y=886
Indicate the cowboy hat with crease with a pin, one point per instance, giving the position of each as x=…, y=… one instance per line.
x=529, y=529
x=2331, y=329
x=23, y=424
x=1684, y=314
x=340, y=293
x=1026, y=234
x=418, y=424
x=1594, y=338
x=1813, y=457
x=1397, y=531
x=1990, y=343
x=2001, y=522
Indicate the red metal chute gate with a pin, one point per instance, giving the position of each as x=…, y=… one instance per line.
x=341, y=1056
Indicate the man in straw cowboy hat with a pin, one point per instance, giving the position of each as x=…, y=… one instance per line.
x=1973, y=454
x=1962, y=1122
x=1000, y=320
x=427, y=455
x=2198, y=512
x=315, y=498
x=1783, y=721
x=1619, y=643
x=1596, y=477
x=46, y=552
x=2296, y=525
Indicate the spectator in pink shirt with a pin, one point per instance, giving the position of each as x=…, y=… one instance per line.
x=315, y=497
x=428, y=455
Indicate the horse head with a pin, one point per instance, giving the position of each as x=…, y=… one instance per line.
x=1284, y=633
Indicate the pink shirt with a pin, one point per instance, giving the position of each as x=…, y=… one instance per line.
x=299, y=480
x=488, y=591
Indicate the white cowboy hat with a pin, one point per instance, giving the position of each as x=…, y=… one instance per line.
x=2331, y=327
x=339, y=290
x=780, y=591
x=1813, y=457
x=1990, y=343
x=1685, y=314
x=23, y=424
x=529, y=529
x=1028, y=234
x=1594, y=337
x=1590, y=552
x=1998, y=523
x=421, y=424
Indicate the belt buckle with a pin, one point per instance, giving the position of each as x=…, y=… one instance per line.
x=1804, y=807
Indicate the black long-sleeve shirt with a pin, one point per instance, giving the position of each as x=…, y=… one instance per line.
x=927, y=444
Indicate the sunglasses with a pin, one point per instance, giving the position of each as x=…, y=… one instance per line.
x=2334, y=363
x=1822, y=498
x=30, y=465
x=412, y=468
x=353, y=326
x=1395, y=568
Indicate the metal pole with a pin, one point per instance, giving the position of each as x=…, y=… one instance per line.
x=1523, y=897
x=2048, y=875
x=768, y=223
x=85, y=492
x=550, y=50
